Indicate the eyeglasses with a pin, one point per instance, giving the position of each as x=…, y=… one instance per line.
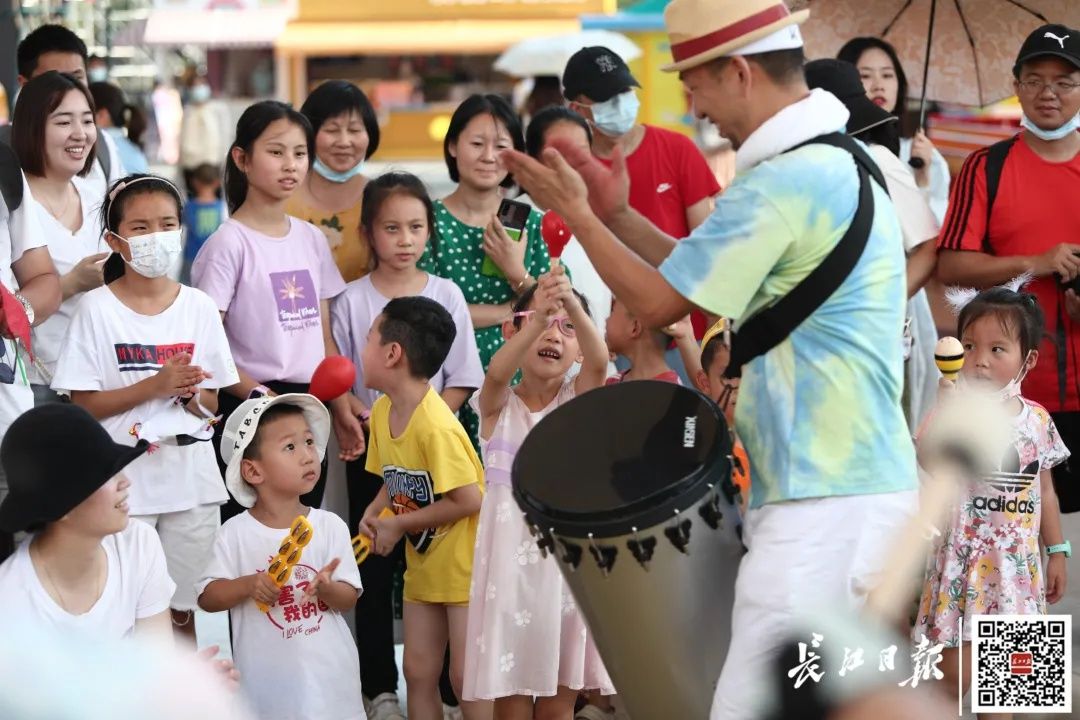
x=1059, y=87
x=566, y=325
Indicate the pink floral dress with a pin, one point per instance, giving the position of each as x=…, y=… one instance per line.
x=526, y=633
x=987, y=560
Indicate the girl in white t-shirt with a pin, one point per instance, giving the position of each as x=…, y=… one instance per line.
x=145, y=352
x=272, y=276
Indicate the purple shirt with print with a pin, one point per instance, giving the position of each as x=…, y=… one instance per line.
x=269, y=289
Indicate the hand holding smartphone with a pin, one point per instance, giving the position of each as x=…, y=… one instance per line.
x=513, y=215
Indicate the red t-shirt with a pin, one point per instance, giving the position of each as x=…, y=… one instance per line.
x=1036, y=208
x=668, y=174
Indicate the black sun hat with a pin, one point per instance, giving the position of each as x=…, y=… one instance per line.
x=842, y=80
x=55, y=456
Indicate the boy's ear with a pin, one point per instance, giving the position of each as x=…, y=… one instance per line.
x=636, y=328
x=701, y=381
x=395, y=355
x=251, y=472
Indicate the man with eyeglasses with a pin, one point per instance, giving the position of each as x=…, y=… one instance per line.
x=1014, y=209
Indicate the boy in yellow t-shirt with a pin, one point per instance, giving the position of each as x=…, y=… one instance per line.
x=434, y=484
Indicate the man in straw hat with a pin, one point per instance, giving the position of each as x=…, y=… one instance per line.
x=819, y=413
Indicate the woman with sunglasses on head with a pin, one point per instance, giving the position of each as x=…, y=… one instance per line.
x=53, y=134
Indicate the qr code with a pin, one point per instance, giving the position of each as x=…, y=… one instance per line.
x=1021, y=664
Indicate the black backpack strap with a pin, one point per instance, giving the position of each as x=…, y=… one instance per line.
x=768, y=328
x=11, y=182
x=995, y=163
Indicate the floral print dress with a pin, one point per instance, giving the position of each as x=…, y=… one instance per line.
x=987, y=560
x=456, y=252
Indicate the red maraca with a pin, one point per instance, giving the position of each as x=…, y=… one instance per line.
x=18, y=323
x=555, y=233
x=333, y=378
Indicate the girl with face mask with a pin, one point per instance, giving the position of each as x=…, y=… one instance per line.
x=989, y=558
x=145, y=348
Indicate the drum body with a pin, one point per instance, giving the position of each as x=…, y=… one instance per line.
x=629, y=486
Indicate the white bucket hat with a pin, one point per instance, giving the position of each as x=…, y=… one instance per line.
x=240, y=430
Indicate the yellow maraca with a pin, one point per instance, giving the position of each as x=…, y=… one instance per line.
x=361, y=544
x=949, y=357
x=292, y=547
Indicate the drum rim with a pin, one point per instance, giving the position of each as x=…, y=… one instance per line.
x=644, y=513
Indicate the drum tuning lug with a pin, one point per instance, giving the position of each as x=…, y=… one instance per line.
x=710, y=512
x=604, y=556
x=679, y=535
x=544, y=541
x=571, y=554
x=642, y=550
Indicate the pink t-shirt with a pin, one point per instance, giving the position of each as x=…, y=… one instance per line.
x=269, y=289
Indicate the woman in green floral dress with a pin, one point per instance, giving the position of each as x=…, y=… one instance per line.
x=467, y=230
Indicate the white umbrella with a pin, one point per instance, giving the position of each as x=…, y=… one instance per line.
x=548, y=55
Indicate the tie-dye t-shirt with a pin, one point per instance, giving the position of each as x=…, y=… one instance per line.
x=820, y=413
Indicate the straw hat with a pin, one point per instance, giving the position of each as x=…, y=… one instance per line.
x=702, y=30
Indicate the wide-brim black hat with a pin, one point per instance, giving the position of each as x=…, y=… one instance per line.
x=842, y=80
x=54, y=457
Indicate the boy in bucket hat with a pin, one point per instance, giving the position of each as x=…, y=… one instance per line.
x=299, y=658
x=84, y=566
x=834, y=472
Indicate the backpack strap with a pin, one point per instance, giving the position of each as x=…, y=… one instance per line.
x=11, y=182
x=995, y=163
x=768, y=328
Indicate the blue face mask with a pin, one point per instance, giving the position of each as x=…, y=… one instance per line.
x=616, y=116
x=1071, y=126
x=333, y=175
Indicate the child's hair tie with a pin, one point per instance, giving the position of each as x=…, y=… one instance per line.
x=125, y=184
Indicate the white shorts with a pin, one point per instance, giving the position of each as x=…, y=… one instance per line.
x=188, y=539
x=801, y=554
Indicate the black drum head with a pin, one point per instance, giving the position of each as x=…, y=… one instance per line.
x=621, y=457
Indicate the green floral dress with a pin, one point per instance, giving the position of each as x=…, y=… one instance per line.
x=456, y=253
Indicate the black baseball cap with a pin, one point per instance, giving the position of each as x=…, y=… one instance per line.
x=842, y=80
x=597, y=73
x=1056, y=40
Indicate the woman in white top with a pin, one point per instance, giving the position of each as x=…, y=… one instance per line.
x=84, y=568
x=886, y=85
x=53, y=134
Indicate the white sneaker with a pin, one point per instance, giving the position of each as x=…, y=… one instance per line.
x=384, y=707
x=451, y=713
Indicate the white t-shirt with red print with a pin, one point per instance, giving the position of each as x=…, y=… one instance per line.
x=299, y=660
x=110, y=346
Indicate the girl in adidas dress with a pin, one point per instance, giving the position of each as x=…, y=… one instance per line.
x=530, y=644
x=989, y=557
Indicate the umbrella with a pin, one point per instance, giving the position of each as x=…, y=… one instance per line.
x=954, y=51
x=548, y=55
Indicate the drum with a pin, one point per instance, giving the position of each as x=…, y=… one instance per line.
x=629, y=487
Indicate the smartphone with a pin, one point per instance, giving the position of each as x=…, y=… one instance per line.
x=513, y=215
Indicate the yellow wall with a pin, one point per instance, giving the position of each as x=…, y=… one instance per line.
x=663, y=102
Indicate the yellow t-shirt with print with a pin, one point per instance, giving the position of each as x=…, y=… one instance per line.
x=432, y=457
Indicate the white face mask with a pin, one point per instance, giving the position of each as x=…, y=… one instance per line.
x=616, y=116
x=1012, y=388
x=200, y=93
x=1065, y=130
x=98, y=74
x=152, y=255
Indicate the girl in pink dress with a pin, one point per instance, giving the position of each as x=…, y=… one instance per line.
x=531, y=651
x=988, y=559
